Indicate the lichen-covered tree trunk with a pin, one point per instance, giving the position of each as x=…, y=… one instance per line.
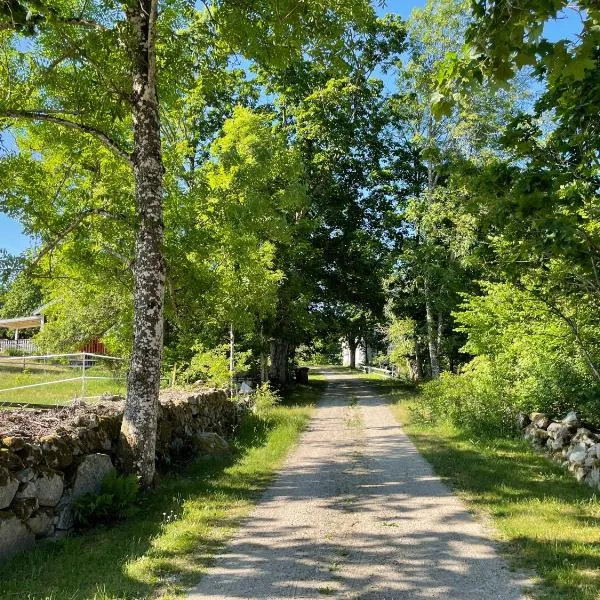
x=278, y=371
x=138, y=432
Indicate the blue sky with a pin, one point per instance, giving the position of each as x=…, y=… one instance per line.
x=11, y=234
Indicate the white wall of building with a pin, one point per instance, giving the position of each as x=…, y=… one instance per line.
x=361, y=354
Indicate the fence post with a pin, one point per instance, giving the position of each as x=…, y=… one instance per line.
x=83, y=379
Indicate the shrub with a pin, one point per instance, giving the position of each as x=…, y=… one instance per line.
x=115, y=501
x=212, y=365
x=265, y=399
x=526, y=360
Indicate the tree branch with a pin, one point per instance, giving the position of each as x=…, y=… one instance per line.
x=42, y=115
x=65, y=232
x=87, y=23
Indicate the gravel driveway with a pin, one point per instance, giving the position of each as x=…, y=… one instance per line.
x=356, y=512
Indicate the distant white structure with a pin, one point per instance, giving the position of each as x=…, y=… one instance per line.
x=362, y=354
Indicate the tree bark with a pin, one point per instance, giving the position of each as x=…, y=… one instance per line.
x=278, y=371
x=352, y=345
x=138, y=432
x=434, y=359
x=418, y=363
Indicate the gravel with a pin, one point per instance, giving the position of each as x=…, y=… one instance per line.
x=356, y=512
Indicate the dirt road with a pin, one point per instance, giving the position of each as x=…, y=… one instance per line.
x=356, y=512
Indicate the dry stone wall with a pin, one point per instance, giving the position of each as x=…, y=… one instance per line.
x=49, y=459
x=569, y=442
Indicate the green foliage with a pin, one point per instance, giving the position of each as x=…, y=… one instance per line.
x=114, y=502
x=211, y=365
x=22, y=296
x=401, y=338
x=265, y=398
x=527, y=360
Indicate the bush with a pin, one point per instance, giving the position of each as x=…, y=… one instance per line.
x=265, y=399
x=487, y=395
x=526, y=359
x=115, y=501
x=211, y=365
x=476, y=400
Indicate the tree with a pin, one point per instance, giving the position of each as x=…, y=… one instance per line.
x=96, y=70
x=337, y=113
x=430, y=145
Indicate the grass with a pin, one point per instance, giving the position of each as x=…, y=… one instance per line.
x=163, y=550
x=548, y=522
x=57, y=393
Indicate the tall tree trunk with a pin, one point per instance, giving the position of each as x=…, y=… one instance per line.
x=352, y=345
x=278, y=371
x=138, y=432
x=418, y=363
x=434, y=359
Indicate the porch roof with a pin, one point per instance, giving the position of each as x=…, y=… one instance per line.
x=22, y=322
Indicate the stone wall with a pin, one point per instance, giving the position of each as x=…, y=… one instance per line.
x=48, y=459
x=568, y=441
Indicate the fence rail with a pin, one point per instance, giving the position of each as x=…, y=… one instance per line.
x=385, y=372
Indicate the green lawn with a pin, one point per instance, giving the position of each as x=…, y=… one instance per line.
x=56, y=392
x=164, y=549
x=546, y=520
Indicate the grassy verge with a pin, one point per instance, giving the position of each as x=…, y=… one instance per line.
x=165, y=547
x=547, y=522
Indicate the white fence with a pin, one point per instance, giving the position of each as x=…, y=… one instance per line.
x=58, y=378
x=21, y=346
x=391, y=373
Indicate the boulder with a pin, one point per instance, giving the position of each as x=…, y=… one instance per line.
x=541, y=421
x=556, y=444
x=31, y=455
x=25, y=475
x=593, y=477
x=24, y=507
x=10, y=460
x=14, y=535
x=8, y=488
x=49, y=487
x=534, y=416
x=87, y=420
x=572, y=420
x=90, y=474
x=594, y=451
x=27, y=490
x=576, y=456
x=556, y=430
x=208, y=443
x=64, y=518
x=585, y=436
x=57, y=453
x=41, y=523
x=13, y=442
x=580, y=473
x=523, y=420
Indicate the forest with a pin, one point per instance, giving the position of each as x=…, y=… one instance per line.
x=289, y=175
